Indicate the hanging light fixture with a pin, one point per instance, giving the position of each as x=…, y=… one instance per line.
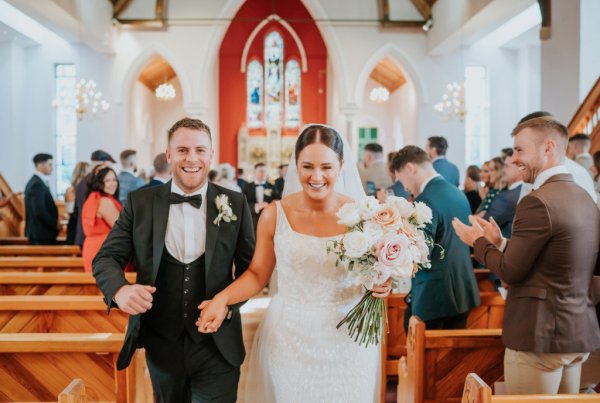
x=165, y=92
x=379, y=95
x=453, y=101
x=86, y=100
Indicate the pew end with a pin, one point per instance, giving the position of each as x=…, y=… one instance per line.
x=73, y=393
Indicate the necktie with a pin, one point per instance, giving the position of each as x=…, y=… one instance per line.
x=195, y=201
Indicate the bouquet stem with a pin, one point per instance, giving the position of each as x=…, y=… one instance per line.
x=366, y=320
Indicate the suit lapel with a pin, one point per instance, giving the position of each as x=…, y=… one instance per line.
x=212, y=229
x=160, y=216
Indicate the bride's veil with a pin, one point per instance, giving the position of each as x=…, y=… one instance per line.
x=348, y=182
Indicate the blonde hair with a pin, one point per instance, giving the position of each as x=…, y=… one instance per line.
x=79, y=172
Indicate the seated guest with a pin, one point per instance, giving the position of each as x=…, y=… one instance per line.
x=227, y=177
x=279, y=182
x=81, y=170
x=127, y=179
x=260, y=192
x=471, y=187
x=443, y=295
x=504, y=205
x=99, y=212
x=374, y=169
x=579, y=150
x=436, y=149
x=397, y=189
x=492, y=175
x=596, y=170
x=41, y=215
x=505, y=152
x=162, y=171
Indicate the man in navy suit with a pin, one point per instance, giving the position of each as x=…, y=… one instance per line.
x=162, y=171
x=127, y=180
x=443, y=295
x=41, y=219
x=436, y=149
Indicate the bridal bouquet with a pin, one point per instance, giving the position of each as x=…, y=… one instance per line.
x=382, y=241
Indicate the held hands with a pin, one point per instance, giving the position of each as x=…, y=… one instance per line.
x=135, y=298
x=212, y=314
x=382, y=290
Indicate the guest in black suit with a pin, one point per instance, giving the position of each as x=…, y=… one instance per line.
x=184, y=242
x=41, y=219
x=279, y=182
x=241, y=182
x=162, y=171
x=98, y=157
x=471, y=187
x=260, y=192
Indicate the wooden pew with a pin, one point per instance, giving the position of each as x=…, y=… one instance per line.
x=36, y=367
x=438, y=361
x=56, y=283
x=41, y=264
x=40, y=250
x=477, y=391
x=73, y=393
x=22, y=240
x=59, y=314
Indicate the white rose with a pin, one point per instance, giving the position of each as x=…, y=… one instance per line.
x=404, y=270
x=348, y=215
x=423, y=213
x=373, y=230
x=368, y=207
x=356, y=244
x=379, y=274
x=405, y=207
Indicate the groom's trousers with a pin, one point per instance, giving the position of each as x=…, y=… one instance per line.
x=184, y=370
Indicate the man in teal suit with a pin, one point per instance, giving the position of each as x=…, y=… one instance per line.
x=443, y=295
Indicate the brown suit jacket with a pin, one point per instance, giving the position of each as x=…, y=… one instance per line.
x=548, y=265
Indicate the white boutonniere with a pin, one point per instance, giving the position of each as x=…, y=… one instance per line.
x=268, y=192
x=225, y=211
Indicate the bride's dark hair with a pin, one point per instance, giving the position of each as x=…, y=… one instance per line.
x=320, y=134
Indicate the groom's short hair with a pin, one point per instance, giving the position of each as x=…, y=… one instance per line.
x=408, y=154
x=189, y=123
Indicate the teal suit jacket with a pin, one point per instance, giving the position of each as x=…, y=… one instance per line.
x=449, y=287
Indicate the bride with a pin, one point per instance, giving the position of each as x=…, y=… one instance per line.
x=298, y=354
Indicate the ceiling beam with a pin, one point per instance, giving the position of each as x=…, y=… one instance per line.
x=119, y=6
x=423, y=7
x=386, y=22
x=546, y=11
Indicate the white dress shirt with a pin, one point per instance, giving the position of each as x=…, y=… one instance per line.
x=260, y=192
x=43, y=177
x=186, y=227
x=424, y=184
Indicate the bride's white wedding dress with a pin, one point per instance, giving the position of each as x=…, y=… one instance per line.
x=298, y=355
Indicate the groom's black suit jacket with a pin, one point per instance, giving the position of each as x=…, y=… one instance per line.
x=139, y=234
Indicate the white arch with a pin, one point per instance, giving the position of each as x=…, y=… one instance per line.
x=402, y=61
x=288, y=27
x=138, y=63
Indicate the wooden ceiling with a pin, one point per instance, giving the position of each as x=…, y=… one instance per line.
x=388, y=74
x=156, y=72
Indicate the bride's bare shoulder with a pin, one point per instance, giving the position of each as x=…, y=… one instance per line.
x=343, y=199
x=291, y=200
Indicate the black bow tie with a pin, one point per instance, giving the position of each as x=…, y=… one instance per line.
x=195, y=201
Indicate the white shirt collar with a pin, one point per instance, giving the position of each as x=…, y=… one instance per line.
x=424, y=184
x=201, y=191
x=129, y=171
x=547, y=174
x=40, y=175
x=515, y=185
x=163, y=180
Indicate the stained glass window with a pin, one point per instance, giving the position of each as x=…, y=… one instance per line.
x=273, y=77
x=254, y=91
x=292, y=94
x=65, y=127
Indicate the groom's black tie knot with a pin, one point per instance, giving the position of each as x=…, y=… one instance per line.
x=195, y=201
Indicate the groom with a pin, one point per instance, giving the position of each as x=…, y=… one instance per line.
x=184, y=246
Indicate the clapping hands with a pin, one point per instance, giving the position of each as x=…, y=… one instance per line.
x=479, y=227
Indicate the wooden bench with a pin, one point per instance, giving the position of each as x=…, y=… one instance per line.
x=36, y=367
x=55, y=283
x=73, y=393
x=438, y=361
x=41, y=264
x=477, y=391
x=40, y=250
x=59, y=314
x=22, y=240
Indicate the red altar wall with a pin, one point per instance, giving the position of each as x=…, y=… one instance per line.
x=232, y=82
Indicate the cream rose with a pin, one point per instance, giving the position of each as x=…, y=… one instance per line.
x=356, y=244
x=423, y=213
x=388, y=217
x=405, y=207
x=349, y=215
x=368, y=207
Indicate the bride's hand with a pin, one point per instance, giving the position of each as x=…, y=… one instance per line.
x=383, y=290
x=212, y=314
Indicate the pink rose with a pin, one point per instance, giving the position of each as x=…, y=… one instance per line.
x=395, y=250
x=388, y=217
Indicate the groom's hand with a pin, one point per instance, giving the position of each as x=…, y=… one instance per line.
x=135, y=298
x=212, y=315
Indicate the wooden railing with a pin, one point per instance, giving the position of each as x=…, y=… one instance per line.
x=587, y=118
x=12, y=216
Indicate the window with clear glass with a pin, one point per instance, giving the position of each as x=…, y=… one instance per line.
x=292, y=94
x=273, y=77
x=254, y=90
x=65, y=126
x=477, y=119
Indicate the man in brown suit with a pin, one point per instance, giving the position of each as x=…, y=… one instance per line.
x=550, y=324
